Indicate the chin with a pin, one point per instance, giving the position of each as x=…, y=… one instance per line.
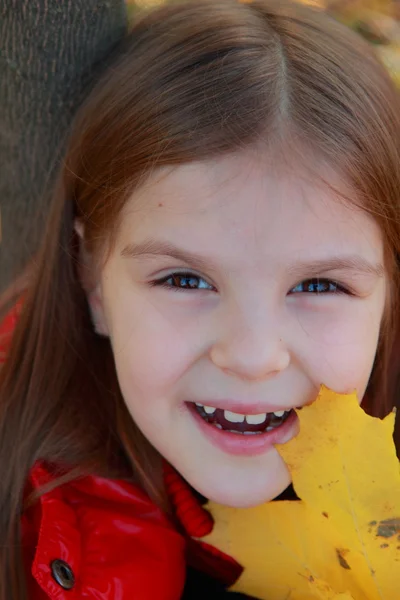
x=237, y=495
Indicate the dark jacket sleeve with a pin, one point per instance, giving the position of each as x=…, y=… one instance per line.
x=48, y=52
x=202, y=587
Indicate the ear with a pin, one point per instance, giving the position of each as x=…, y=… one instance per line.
x=90, y=285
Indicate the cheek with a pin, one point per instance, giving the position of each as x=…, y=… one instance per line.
x=151, y=350
x=341, y=343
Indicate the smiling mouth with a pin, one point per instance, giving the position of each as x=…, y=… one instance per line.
x=239, y=423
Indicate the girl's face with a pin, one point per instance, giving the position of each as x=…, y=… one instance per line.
x=241, y=290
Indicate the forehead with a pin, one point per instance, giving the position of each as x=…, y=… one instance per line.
x=240, y=204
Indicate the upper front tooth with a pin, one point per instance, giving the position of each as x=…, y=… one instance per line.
x=209, y=410
x=256, y=419
x=233, y=417
x=279, y=413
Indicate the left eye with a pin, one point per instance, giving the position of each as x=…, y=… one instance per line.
x=183, y=281
x=318, y=286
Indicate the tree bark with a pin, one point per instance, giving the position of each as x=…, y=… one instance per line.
x=49, y=50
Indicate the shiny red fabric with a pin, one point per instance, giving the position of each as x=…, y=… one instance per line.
x=6, y=329
x=114, y=540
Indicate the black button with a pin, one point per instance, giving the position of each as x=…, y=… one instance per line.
x=63, y=574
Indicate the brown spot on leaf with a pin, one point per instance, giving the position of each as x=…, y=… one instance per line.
x=325, y=514
x=340, y=553
x=388, y=528
x=384, y=545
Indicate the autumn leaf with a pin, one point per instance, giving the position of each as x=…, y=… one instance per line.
x=341, y=541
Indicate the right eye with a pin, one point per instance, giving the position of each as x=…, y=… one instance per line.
x=183, y=282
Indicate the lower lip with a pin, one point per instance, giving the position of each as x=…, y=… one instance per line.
x=247, y=445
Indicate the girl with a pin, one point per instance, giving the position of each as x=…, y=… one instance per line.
x=223, y=239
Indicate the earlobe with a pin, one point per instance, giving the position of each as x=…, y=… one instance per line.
x=83, y=257
x=79, y=229
x=97, y=312
x=90, y=286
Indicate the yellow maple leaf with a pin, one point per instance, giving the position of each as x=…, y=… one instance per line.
x=341, y=541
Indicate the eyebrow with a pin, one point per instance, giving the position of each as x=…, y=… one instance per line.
x=152, y=248
x=352, y=263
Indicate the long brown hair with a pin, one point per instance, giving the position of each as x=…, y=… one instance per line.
x=192, y=81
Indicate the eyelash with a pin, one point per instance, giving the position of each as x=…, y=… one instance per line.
x=337, y=288
x=163, y=282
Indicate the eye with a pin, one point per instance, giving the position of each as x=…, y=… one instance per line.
x=183, y=282
x=319, y=286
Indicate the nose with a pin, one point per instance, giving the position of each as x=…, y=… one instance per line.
x=250, y=347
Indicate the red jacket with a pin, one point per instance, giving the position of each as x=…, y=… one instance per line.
x=100, y=539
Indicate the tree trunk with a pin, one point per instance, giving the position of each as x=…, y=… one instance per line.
x=48, y=52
